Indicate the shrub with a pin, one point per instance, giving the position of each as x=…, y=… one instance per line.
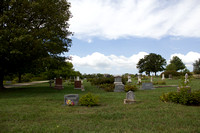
x=130, y=88
x=159, y=83
x=172, y=72
x=107, y=87
x=27, y=77
x=182, y=97
x=89, y=100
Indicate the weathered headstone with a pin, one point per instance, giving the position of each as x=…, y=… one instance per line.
x=170, y=76
x=147, y=86
x=139, y=79
x=72, y=97
x=186, y=78
x=58, y=84
x=119, y=86
x=163, y=76
x=129, y=98
x=129, y=79
x=151, y=78
x=77, y=84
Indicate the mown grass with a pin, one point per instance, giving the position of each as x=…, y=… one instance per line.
x=39, y=108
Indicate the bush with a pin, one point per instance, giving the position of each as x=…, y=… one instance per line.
x=182, y=97
x=172, y=72
x=107, y=87
x=130, y=88
x=159, y=83
x=89, y=100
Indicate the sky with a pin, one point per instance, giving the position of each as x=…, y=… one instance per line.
x=111, y=36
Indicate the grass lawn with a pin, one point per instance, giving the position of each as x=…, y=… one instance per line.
x=39, y=108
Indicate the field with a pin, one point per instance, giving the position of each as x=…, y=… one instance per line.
x=38, y=108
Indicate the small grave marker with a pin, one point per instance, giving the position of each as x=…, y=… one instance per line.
x=129, y=98
x=147, y=86
x=74, y=98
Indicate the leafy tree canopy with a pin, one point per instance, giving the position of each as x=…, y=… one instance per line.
x=178, y=63
x=32, y=30
x=151, y=63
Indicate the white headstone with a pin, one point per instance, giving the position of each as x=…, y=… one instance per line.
x=163, y=76
x=151, y=78
x=77, y=78
x=139, y=79
x=186, y=78
x=129, y=79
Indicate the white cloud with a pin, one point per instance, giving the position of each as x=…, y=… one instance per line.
x=113, y=19
x=188, y=59
x=100, y=63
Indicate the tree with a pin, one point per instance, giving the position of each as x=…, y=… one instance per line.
x=196, y=66
x=171, y=67
x=151, y=63
x=178, y=63
x=32, y=30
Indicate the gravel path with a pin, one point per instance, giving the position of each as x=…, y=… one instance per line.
x=25, y=84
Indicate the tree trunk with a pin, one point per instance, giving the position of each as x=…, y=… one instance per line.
x=155, y=74
x=19, y=78
x=1, y=81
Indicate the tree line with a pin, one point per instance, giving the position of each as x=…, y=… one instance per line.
x=154, y=63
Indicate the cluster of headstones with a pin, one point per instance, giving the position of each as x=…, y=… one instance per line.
x=119, y=87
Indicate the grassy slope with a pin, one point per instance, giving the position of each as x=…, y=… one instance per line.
x=39, y=108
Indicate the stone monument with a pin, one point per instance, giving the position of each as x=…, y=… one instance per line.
x=119, y=86
x=129, y=79
x=58, y=84
x=74, y=98
x=147, y=86
x=151, y=78
x=129, y=98
x=186, y=78
x=139, y=79
x=163, y=76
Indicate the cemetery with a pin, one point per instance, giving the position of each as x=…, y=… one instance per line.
x=99, y=72
x=41, y=108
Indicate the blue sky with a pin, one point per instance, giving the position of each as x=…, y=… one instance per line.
x=110, y=36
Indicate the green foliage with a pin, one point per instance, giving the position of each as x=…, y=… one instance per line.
x=89, y=100
x=30, y=31
x=183, y=97
x=107, y=87
x=172, y=72
x=171, y=67
x=151, y=63
x=27, y=77
x=161, y=82
x=196, y=66
x=177, y=62
x=130, y=88
x=102, y=80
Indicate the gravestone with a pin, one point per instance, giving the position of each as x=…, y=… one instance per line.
x=72, y=97
x=77, y=84
x=163, y=76
x=58, y=84
x=147, y=86
x=139, y=79
x=170, y=76
x=186, y=78
x=129, y=98
x=119, y=86
x=151, y=78
x=129, y=79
